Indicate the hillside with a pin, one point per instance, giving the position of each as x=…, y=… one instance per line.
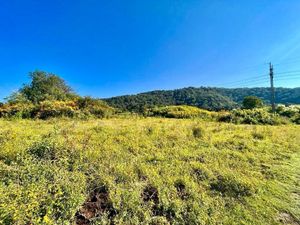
x=203, y=97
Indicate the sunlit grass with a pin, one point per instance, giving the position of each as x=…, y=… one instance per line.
x=151, y=171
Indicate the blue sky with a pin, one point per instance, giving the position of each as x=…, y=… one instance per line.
x=115, y=47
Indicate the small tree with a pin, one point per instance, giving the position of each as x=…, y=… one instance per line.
x=43, y=86
x=251, y=102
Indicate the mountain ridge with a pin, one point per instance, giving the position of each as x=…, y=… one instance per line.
x=211, y=98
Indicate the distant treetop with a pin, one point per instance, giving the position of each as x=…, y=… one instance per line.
x=251, y=102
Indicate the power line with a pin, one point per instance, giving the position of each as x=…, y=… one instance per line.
x=291, y=75
x=287, y=63
x=248, y=79
x=255, y=78
x=289, y=78
x=288, y=60
x=262, y=79
x=287, y=72
x=265, y=81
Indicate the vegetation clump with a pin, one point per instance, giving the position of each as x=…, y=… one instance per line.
x=48, y=96
x=198, y=132
x=252, y=116
x=230, y=186
x=291, y=112
x=252, y=102
x=181, y=112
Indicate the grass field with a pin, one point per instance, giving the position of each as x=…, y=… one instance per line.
x=148, y=171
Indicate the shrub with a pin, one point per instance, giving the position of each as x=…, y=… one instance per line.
x=48, y=109
x=94, y=107
x=18, y=110
x=181, y=112
x=292, y=112
x=81, y=108
x=198, y=132
x=43, y=150
x=252, y=116
x=297, y=119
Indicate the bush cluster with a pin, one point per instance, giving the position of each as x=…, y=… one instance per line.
x=181, y=112
x=251, y=116
x=292, y=112
x=79, y=108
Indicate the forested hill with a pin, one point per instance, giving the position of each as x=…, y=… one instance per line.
x=204, y=97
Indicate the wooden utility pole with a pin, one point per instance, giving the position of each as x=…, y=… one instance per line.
x=272, y=87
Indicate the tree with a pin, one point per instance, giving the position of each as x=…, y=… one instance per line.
x=44, y=86
x=251, y=102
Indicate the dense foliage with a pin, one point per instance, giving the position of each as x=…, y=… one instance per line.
x=264, y=116
x=50, y=109
x=43, y=87
x=252, y=102
x=282, y=95
x=181, y=112
x=48, y=96
x=148, y=171
x=252, y=116
x=206, y=98
x=292, y=112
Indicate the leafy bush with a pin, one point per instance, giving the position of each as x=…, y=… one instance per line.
x=95, y=107
x=181, y=112
x=48, y=109
x=18, y=110
x=251, y=116
x=80, y=108
x=198, y=132
x=292, y=112
x=296, y=119
x=43, y=150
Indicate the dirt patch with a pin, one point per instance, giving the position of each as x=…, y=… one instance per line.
x=150, y=194
x=181, y=190
x=95, y=206
x=286, y=218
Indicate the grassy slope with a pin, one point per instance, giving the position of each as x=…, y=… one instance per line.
x=204, y=173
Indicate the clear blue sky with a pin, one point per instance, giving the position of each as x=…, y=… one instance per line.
x=114, y=47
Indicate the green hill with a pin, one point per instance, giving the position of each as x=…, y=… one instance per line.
x=203, y=97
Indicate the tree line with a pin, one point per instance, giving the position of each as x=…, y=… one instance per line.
x=48, y=95
x=213, y=99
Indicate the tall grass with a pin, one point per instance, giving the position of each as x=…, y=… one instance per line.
x=147, y=171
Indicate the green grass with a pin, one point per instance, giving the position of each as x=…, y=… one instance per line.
x=148, y=171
